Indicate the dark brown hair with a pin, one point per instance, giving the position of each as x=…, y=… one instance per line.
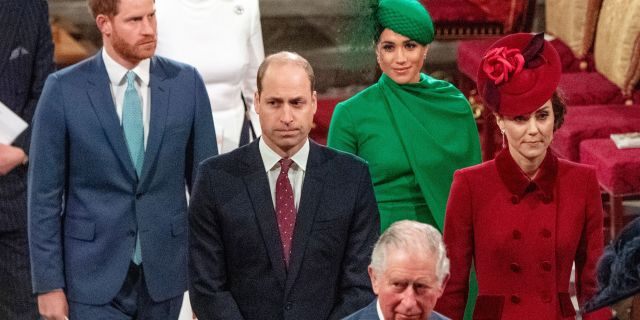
x=284, y=57
x=559, y=109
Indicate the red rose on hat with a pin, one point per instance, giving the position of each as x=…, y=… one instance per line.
x=502, y=63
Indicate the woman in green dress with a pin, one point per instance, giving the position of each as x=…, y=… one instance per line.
x=413, y=130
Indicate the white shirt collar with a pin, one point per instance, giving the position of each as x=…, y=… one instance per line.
x=270, y=158
x=117, y=72
x=380, y=315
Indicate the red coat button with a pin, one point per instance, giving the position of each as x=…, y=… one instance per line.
x=546, y=266
x=517, y=234
x=515, y=199
x=515, y=267
x=546, y=297
x=545, y=233
x=515, y=299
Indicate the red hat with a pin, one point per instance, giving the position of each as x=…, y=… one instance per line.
x=518, y=74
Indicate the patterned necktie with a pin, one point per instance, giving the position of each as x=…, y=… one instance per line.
x=285, y=208
x=134, y=134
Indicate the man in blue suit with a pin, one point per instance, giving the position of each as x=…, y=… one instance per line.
x=115, y=140
x=409, y=270
x=282, y=228
x=26, y=59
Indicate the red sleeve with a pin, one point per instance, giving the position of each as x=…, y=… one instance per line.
x=458, y=238
x=590, y=249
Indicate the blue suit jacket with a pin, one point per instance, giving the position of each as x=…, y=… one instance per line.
x=85, y=199
x=370, y=312
x=235, y=258
x=26, y=59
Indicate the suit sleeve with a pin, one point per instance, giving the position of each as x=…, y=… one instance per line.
x=342, y=132
x=590, y=249
x=458, y=238
x=355, y=287
x=43, y=66
x=202, y=143
x=208, y=291
x=47, y=173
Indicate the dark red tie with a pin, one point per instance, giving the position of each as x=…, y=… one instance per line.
x=285, y=208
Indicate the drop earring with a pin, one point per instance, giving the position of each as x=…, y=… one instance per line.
x=504, y=140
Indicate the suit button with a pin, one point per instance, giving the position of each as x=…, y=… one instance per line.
x=288, y=306
x=515, y=267
x=515, y=199
x=546, y=266
x=515, y=299
x=517, y=234
x=545, y=233
x=132, y=233
x=139, y=195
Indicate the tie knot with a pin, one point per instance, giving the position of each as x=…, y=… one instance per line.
x=131, y=78
x=285, y=164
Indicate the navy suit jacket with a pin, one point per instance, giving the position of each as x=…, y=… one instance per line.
x=236, y=267
x=370, y=312
x=26, y=59
x=85, y=199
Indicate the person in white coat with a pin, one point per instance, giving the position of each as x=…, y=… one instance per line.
x=223, y=40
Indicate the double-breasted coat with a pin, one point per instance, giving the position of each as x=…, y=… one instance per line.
x=523, y=237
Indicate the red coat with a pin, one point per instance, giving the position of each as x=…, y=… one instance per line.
x=523, y=237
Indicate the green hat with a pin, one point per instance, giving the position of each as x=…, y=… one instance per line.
x=408, y=18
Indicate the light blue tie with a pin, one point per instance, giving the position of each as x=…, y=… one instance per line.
x=134, y=134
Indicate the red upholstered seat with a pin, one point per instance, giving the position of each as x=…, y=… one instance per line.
x=593, y=122
x=470, y=54
x=457, y=11
x=569, y=61
x=618, y=170
x=587, y=88
x=322, y=119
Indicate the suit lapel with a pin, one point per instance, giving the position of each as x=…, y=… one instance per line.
x=311, y=193
x=257, y=184
x=10, y=14
x=158, y=117
x=103, y=104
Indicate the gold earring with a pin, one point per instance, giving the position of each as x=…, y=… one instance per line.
x=504, y=140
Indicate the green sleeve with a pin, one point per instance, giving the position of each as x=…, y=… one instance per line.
x=342, y=132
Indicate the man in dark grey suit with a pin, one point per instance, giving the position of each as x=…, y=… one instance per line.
x=282, y=228
x=115, y=140
x=26, y=59
x=409, y=270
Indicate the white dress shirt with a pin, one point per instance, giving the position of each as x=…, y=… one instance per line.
x=118, y=84
x=271, y=159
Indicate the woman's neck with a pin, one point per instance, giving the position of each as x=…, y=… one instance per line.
x=530, y=167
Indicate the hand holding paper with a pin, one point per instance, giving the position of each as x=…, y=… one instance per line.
x=11, y=125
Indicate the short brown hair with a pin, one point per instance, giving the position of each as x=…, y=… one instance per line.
x=106, y=7
x=284, y=57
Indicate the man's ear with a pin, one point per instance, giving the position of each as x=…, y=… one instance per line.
x=104, y=24
x=314, y=98
x=256, y=102
x=374, y=280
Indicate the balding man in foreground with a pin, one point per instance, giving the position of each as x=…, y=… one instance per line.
x=409, y=270
x=282, y=228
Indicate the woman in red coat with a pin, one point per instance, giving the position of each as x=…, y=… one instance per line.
x=525, y=217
